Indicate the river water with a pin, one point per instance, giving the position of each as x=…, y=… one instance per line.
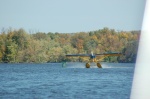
x=74, y=81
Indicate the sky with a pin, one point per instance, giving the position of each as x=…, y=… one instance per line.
x=69, y=16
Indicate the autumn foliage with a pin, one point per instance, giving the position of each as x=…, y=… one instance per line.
x=17, y=46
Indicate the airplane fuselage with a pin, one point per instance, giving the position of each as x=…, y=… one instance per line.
x=93, y=58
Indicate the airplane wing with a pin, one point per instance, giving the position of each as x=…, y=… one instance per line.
x=103, y=55
x=109, y=54
x=78, y=55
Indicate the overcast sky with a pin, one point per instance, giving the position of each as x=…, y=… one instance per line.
x=67, y=16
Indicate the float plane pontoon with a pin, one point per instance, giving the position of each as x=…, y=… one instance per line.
x=96, y=58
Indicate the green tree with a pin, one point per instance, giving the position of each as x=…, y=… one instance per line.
x=11, y=50
x=20, y=37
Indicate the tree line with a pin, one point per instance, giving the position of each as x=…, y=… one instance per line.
x=19, y=46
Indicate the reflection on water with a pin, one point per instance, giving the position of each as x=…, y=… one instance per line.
x=75, y=81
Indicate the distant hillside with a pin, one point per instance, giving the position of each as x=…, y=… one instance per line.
x=19, y=46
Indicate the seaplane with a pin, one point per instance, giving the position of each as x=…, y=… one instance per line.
x=96, y=58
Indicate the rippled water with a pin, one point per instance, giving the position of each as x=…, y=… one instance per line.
x=52, y=81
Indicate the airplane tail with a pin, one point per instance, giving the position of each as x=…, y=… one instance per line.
x=92, y=53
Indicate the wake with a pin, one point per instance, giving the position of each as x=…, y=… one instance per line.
x=104, y=65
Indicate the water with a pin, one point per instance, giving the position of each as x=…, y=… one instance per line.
x=52, y=81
